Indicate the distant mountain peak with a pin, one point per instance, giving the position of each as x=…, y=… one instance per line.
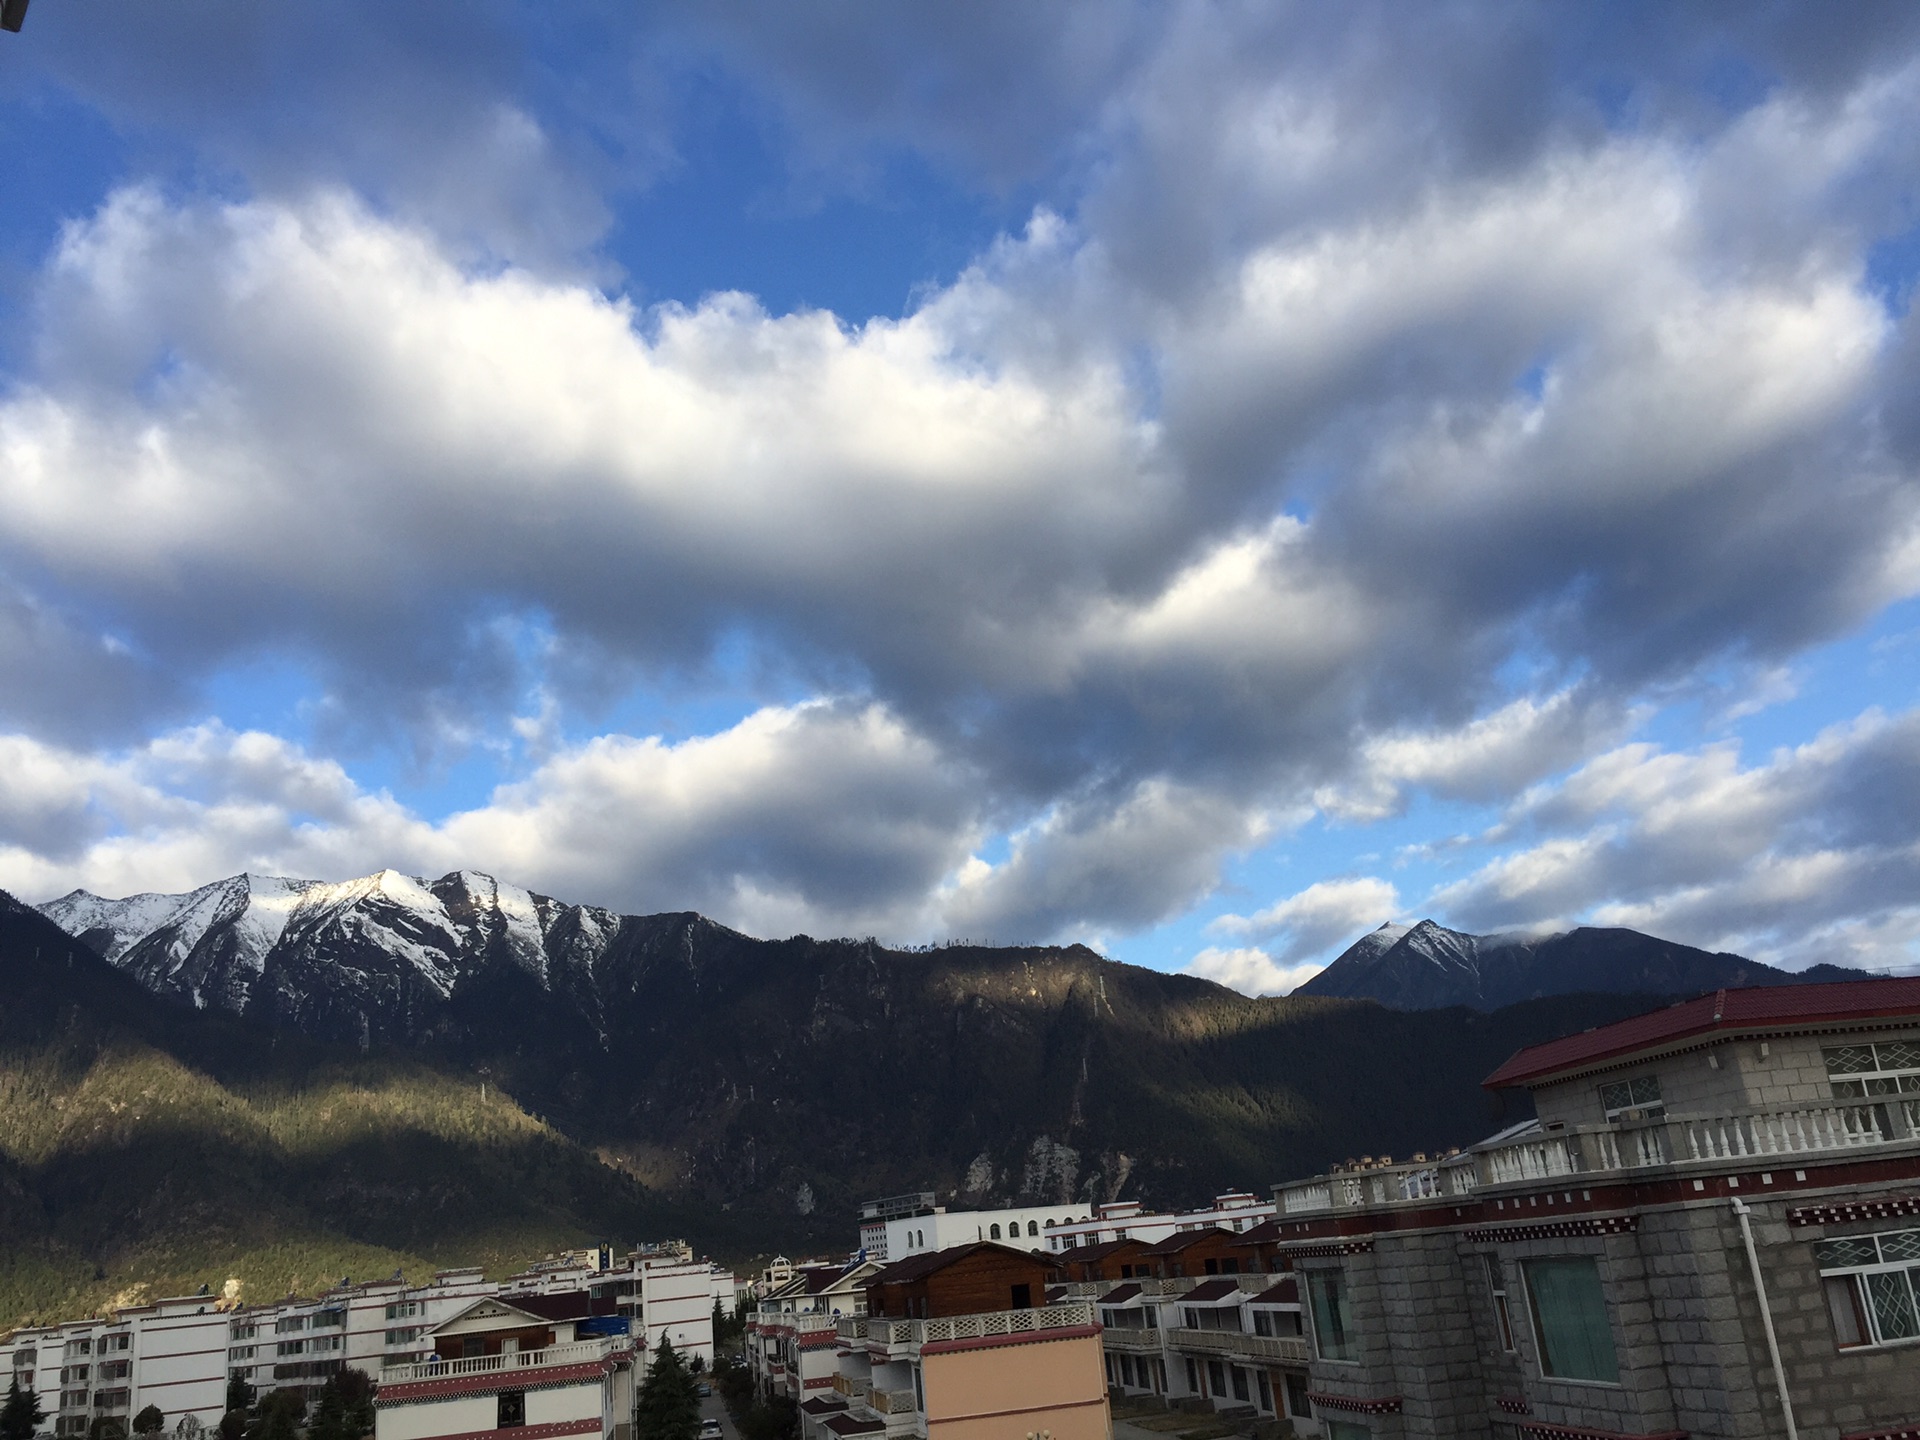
x=1426, y=965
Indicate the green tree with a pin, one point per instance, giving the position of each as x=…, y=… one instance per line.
x=150, y=1421
x=21, y=1415
x=345, y=1408
x=240, y=1395
x=278, y=1416
x=668, y=1407
x=777, y=1418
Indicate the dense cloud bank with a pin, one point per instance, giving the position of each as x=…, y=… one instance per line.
x=1373, y=407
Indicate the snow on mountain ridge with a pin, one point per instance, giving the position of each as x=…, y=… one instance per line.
x=210, y=945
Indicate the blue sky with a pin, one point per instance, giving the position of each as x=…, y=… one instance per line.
x=1200, y=479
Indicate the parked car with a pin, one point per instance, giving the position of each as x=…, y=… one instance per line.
x=710, y=1429
x=705, y=1391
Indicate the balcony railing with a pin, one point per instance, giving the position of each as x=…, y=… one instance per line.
x=1238, y=1345
x=1005, y=1322
x=851, y=1387
x=891, y=1402
x=1132, y=1338
x=577, y=1352
x=1693, y=1140
x=851, y=1327
x=893, y=1333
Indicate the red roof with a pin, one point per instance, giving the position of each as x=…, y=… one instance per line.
x=1183, y=1239
x=1770, y=1007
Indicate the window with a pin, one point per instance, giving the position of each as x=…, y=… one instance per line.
x=1497, y=1287
x=403, y=1310
x=1872, y=1285
x=290, y=1347
x=1126, y=1370
x=1333, y=1336
x=1216, y=1378
x=1033, y=1228
x=241, y=1352
x=81, y=1347
x=288, y=1324
x=1240, y=1391
x=1635, y=1099
x=1193, y=1376
x=513, y=1409
x=1570, y=1319
x=993, y=1231
x=245, y=1332
x=1297, y=1402
x=1266, y=1391
x=117, y=1342
x=404, y=1336
x=1022, y=1298
x=73, y=1374
x=1262, y=1323
x=1859, y=1071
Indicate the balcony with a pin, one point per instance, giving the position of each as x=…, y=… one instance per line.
x=578, y=1352
x=891, y=1402
x=852, y=1388
x=1238, y=1345
x=902, y=1338
x=1685, y=1141
x=1133, y=1339
x=851, y=1328
x=1005, y=1322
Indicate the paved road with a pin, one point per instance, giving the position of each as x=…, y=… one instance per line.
x=712, y=1406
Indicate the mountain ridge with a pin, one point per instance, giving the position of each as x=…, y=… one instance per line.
x=1427, y=966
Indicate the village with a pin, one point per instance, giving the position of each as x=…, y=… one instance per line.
x=1710, y=1226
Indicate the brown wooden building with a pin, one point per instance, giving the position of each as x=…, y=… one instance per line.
x=966, y=1280
x=1110, y=1260
x=1210, y=1251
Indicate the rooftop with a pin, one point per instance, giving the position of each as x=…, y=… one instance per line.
x=1767, y=1009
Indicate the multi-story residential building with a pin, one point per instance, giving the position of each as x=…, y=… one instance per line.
x=791, y=1336
x=540, y=1364
x=180, y=1353
x=1712, y=1229
x=960, y=1344
x=1127, y=1220
x=906, y=1225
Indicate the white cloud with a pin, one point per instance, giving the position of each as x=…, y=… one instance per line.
x=1811, y=854
x=1250, y=971
x=1328, y=914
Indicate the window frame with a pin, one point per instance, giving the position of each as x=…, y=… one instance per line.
x=1633, y=1104
x=1316, y=1278
x=1542, y=1344
x=1855, y=1279
x=1883, y=1081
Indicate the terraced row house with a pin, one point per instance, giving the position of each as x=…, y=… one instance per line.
x=178, y=1354
x=1711, y=1229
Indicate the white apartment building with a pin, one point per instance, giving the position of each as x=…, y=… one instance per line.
x=179, y=1354
x=905, y=1225
x=1127, y=1220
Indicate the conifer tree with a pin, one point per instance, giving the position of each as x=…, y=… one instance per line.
x=21, y=1415
x=668, y=1406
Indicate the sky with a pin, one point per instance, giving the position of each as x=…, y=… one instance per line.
x=1199, y=479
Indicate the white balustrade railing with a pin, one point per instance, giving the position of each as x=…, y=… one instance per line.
x=1132, y=1338
x=577, y=1352
x=1004, y=1322
x=1782, y=1132
x=1299, y=1199
x=1530, y=1160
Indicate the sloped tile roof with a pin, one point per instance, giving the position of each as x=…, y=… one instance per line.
x=1768, y=1007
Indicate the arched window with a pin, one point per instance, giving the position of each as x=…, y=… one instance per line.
x=1033, y=1227
x=994, y=1232
x=1049, y=1224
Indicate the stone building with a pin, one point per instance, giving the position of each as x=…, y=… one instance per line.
x=1712, y=1229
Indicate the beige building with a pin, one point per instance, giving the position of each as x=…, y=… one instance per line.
x=538, y=1365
